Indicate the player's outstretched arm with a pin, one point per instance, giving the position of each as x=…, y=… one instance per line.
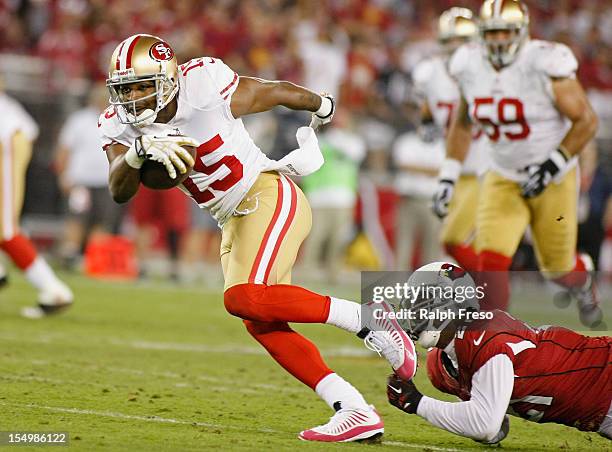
x=481, y=418
x=123, y=179
x=573, y=103
x=254, y=95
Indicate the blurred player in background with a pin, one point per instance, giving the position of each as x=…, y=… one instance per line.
x=332, y=195
x=499, y=365
x=417, y=228
x=525, y=96
x=441, y=98
x=17, y=134
x=83, y=176
x=156, y=108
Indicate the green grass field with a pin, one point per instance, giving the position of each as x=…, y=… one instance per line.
x=149, y=367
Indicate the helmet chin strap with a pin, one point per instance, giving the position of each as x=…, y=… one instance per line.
x=144, y=119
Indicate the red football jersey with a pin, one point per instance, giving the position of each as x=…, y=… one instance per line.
x=559, y=375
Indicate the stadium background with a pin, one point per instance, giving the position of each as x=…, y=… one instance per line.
x=156, y=366
x=51, y=51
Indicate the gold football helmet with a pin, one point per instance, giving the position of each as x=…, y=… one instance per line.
x=503, y=15
x=455, y=27
x=142, y=58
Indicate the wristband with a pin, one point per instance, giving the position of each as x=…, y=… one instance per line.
x=132, y=157
x=450, y=170
x=326, y=108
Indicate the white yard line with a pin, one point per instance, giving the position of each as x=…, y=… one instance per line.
x=114, y=414
x=165, y=420
x=347, y=351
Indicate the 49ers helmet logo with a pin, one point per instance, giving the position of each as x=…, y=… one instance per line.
x=161, y=51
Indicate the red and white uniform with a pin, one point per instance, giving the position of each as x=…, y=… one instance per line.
x=544, y=375
x=515, y=106
x=433, y=81
x=228, y=161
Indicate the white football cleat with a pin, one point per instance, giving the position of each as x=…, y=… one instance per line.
x=586, y=296
x=53, y=299
x=347, y=425
x=387, y=338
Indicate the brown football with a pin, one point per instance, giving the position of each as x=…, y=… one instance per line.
x=154, y=175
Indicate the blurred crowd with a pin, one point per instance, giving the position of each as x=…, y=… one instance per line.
x=361, y=51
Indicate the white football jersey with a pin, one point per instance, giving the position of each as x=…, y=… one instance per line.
x=15, y=118
x=433, y=81
x=515, y=106
x=228, y=161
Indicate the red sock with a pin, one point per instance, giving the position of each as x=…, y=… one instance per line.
x=294, y=352
x=21, y=250
x=493, y=271
x=277, y=303
x=577, y=277
x=465, y=256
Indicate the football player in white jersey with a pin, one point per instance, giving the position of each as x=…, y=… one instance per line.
x=441, y=97
x=158, y=106
x=525, y=96
x=18, y=130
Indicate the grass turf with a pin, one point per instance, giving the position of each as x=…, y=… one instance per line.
x=153, y=367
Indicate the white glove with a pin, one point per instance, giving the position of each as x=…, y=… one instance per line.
x=166, y=150
x=325, y=113
x=449, y=173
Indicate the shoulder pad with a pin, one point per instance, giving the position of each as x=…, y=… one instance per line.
x=462, y=59
x=206, y=82
x=552, y=58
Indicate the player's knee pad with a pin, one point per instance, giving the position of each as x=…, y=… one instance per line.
x=241, y=300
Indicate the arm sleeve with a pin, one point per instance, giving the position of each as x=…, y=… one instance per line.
x=481, y=417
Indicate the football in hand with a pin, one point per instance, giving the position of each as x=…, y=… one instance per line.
x=154, y=175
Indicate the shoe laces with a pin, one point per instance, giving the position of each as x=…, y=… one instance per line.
x=383, y=346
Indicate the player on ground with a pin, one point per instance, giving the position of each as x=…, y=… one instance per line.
x=499, y=365
x=524, y=95
x=17, y=133
x=441, y=97
x=264, y=216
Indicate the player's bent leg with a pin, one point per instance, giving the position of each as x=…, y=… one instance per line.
x=501, y=220
x=301, y=358
x=494, y=277
x=284, y=303
x=53, y=296
x=296, y=354
x=555, y=232
x=277, y=303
